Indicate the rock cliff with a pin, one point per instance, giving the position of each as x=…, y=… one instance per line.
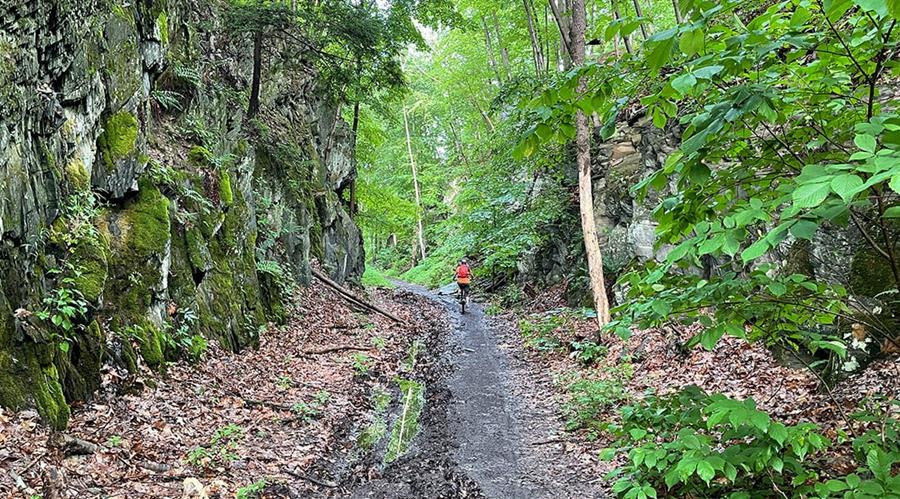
x=141, y=212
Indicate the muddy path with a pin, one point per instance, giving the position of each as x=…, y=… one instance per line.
x=484, y=430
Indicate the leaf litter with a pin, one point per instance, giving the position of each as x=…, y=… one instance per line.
x=269, y=416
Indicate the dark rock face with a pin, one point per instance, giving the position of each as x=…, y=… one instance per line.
x=138, y=207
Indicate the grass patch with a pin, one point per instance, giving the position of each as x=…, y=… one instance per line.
x=432, y=272
x=374, y=278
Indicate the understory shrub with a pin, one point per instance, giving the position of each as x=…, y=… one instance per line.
x=693, y=444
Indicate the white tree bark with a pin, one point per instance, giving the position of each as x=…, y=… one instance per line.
x=585, y=194
x=420, y=232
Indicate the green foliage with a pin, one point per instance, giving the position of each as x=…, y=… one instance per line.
x=374, y=278
x=361, y=363
x=693, y=443
x=590, y=398
x=308, y=411
x=538, y=331
x=221, y=450
x=252, y=490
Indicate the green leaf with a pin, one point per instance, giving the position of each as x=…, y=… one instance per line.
x=637, y=433
x=893, y=7
x=691, y=42
x=711, y=336
x=846, y=186
x=755, y=250
x=865, y=142
x=778, y=432
x=661, y=53
x=804, y=229
x=835, y=9
x=705, y=471
x=892, y=212
x=835, y=485
x=877, y=6
x=810, y=195
x=777, y=464
x=708, y=72
x=684, y=83
x=895, y=180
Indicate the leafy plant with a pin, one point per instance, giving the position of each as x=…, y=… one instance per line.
x=588, y=352
x=693, y=443
x=361, y=363
x=252, y=490
x=222, y=448
x=590, y=398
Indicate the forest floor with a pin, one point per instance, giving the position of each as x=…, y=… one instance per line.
x=339, y=403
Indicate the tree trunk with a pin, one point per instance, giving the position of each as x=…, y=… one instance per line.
x=640, y=13
x=563, y=25
x=489, y=47
x=625, y=38
x=484, y=115
x=257, y=75
x=585, y=196
x=678, y=17
x=420, y=232
x=535, y=39
x=504, y=55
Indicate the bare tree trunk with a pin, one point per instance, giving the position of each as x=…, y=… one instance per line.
x=535, y=40
x=678, y=17
x=640, y=13
x=484, y=115
x=563, y=25
x=490, y=50
x=585, y=196
x=504, y=55
x=253, y=108
x=420, y=232
x=625, y=38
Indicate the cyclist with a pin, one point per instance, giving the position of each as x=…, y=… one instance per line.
x=463, y=278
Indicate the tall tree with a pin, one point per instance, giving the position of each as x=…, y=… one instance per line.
x=583, y=159
x=420, y=232
x=536, y=52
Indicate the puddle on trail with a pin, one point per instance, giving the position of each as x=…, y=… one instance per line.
x=407, y=424
x=404, y=413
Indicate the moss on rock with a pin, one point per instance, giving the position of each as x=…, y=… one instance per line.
x=118, y=139
x=48, y=395
x=77, y=175
x=225, y=193
x=868, y=274
x=90, y=258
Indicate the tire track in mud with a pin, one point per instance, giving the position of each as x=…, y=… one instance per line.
x=478, y=433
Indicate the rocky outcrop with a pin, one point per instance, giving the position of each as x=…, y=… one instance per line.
x=141, y=213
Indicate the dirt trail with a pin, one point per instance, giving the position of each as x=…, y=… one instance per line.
x=482, y=434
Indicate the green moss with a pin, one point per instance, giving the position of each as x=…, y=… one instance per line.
x=162, y=22
x=148, y=220
x=81, y=367
x=118, y=138
x=152, y=344
x=48, y=396
x=225, y=193
x=198, y=253
x=407, y=425
x=868, y=274
x=77, y=175
x=200, y=156
x=12, y=391
x=90, y=257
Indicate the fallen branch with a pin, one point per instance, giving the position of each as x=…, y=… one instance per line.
x=351, y=297
x=330, y=485
x=336, y=349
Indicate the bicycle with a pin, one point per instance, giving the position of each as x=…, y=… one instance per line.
x=463, y=298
